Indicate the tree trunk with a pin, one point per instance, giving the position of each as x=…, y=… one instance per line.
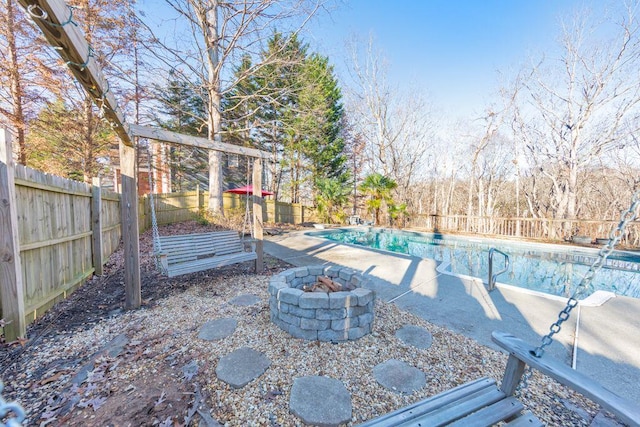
x=210, y=26
x=17, y=93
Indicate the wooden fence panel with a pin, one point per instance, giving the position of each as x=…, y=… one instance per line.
x=176, y=207
x=54, y=229
x=111, y=227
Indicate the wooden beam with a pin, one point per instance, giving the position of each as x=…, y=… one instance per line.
x=130, y=231
x=11, y=285
x=258, y=227
x=195, y=141
x=96, y=225
x=55, y=20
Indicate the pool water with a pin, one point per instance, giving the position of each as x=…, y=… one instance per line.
x=553, y=269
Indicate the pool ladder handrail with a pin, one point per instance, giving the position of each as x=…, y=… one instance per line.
x=492, y=277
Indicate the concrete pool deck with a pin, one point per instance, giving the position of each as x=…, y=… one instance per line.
x=608, y=336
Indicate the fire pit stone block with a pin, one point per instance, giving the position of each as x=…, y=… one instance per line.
x=324, y=316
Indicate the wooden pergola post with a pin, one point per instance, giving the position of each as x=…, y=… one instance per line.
x=130, y=230
x=11, y=285
x=258, y=227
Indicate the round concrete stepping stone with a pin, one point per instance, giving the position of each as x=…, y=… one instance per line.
x=242, y=366
x=320, y=401
x=415, y=336
x=399, y=377
x=217, y=329
x=245, y=300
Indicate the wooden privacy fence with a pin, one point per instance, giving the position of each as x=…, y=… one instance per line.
x=178, y=207
x=528, y=228
x=62, y=229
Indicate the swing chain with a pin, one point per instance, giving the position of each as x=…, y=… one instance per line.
x=154, y=221
x=614, y=237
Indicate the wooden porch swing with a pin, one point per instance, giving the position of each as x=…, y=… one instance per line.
x=483, y=403
x=190, y=253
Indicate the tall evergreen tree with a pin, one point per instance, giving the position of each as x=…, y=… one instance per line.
x=321, y=115
x=300, y=117
x=277, y=88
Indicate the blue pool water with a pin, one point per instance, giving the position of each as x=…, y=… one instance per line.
x=552, y=269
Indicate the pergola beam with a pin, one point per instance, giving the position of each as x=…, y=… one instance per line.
x=195, y=141
x=55, y=20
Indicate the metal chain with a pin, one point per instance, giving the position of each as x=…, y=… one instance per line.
x=614, y=237
x=154, y=221
x=10, y=407
x=247, y=213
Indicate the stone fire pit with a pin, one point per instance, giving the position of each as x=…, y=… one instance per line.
x=306, y=310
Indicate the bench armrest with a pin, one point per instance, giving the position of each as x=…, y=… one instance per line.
x=163, y=260
x=521, y=353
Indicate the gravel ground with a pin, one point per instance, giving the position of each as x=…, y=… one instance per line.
x=153, y=380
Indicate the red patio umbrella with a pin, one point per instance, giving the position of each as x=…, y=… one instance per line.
x=247, y=189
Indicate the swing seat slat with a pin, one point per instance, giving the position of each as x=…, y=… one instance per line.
x=190, y=253
x=476, y=403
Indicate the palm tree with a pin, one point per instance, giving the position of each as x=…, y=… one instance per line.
x=332, y=196
x=378, y=187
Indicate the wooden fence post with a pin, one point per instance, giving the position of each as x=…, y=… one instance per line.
x=96, y=225
x=130, y=229
x=11, y=285
x=258, y=232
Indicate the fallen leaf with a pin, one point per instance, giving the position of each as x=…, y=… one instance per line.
x=19, y=340
x=51, y=378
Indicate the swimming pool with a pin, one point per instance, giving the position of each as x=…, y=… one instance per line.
x=553, y=269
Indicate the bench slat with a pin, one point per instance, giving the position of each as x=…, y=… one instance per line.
x=624, y=409
x=432, y=403
x=459, y=409
x=215, y=259
x=490, y=415
x=209, y=263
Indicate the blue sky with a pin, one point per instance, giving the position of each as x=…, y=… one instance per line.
x=450, y=49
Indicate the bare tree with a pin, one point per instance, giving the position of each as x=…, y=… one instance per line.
x=221, y=34
x=397, y=127
x=578, y=107
x=26, y=77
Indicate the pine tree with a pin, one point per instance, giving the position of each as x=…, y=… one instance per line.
x=300, y=119
x=321, y=117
